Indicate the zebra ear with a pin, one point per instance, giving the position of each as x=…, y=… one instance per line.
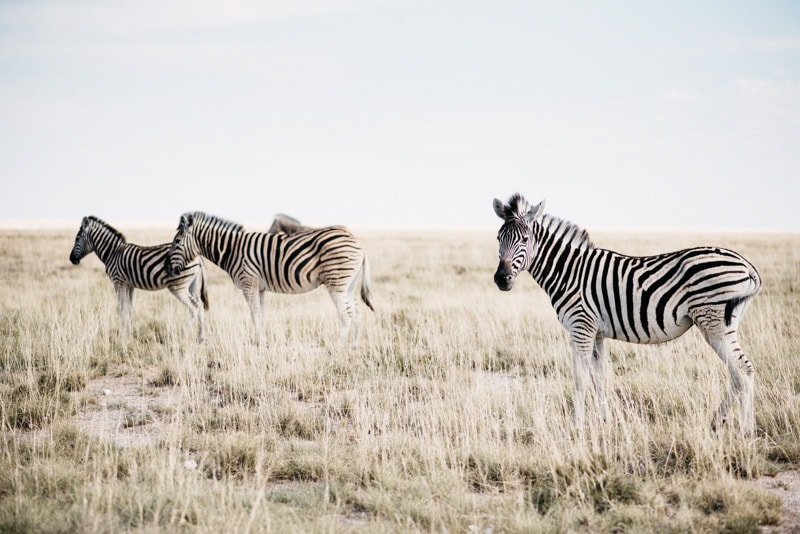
x=186, y=220
x=499, y=208
x=535, y=213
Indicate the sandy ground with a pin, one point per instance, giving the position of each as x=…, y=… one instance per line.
x=126, y=410
x=786, y=485
x=129, y=411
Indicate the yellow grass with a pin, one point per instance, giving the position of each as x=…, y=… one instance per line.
x=453, y=414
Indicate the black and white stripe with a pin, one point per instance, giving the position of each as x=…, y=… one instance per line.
x=601, y=294
x=278, y=262
x=131, y=266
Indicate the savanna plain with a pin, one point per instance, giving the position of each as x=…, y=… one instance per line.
x=451, y=415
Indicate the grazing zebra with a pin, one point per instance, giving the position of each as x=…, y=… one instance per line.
x=279, y=262
x=132, y=267
x=601, y=294
x=287, y=225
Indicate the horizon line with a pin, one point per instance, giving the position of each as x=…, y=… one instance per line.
x=45, y=224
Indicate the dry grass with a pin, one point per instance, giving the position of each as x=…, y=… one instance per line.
x=452, y=415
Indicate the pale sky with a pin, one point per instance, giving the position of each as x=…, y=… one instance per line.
x=663, y=115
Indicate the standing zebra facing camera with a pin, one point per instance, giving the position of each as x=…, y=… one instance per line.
x=258, y=262
x=131, y=266
x=600, y=294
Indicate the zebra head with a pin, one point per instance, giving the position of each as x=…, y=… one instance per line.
x=516, y=241
x=184, y=246
x=83, y=244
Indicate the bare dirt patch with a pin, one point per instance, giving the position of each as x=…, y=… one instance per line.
x=786, y=485
x=126, y=410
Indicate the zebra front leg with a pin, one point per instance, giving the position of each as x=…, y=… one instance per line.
x=581, y=352
x=195, y=309
x=201, y=333
x=124, y=296
x=195, y=295
x=599, y=375
x=254, y=299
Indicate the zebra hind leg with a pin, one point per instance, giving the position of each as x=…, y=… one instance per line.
x=345, y=303
x=718, y=323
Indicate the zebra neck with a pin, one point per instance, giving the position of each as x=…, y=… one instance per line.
x=559, y=260
x=106, y=244
x=217, y=247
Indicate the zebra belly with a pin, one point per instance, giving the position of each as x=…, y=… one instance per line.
x=636, y=333
x=290, y=287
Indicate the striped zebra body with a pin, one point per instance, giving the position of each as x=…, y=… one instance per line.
x=282, y=263
x=130, y=266
x=600, y=294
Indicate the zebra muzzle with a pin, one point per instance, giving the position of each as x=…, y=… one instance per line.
x=171, y=269
x=503, y=279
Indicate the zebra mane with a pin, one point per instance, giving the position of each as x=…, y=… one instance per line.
x=104, y=225
x=202, y=218
x=517, y=206
x=577, y=236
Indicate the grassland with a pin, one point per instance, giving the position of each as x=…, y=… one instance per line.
x=452, y=414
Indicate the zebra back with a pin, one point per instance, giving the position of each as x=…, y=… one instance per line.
x=286, y=224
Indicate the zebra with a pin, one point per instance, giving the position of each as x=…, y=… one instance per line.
x=131, y=266
x=282, y=263
x=600, y=294
x=286, y=224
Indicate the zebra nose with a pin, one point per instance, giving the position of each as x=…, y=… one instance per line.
x=503, y=280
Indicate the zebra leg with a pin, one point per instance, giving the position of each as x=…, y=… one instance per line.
x=254, y=299
x=581, y=352
x=345, y=305
x=192, y=303
x=722, y=336
x=353, y=304
x=124, y=296
x=121, y=298
x=599, y=375
x=130, y=310
x=198, y=303
x=262, y=306
x=195, y=291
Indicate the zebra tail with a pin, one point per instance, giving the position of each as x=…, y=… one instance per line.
x=366, y=295
x=203, y=294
